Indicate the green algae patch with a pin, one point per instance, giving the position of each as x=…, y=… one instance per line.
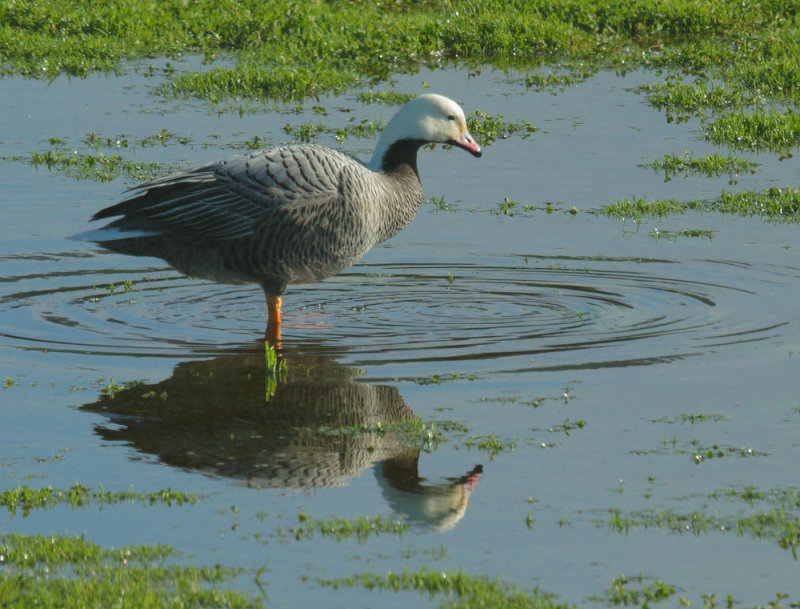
x=457, y=589
x=72, y=573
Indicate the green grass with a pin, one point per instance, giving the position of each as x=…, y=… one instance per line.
x=777, y=524
x=710, y=165
x=360, y=529
x=24, y=498
x=72, y=573
x=681, y=100
x=621, y=591
x=674, y=235
x=763, y=130
x=776, y=204
x=101, y=167
x=255, y=80
x=308, y=49
x=637, y=208
x=93, y=161
x=387, y=98
x=456, y=589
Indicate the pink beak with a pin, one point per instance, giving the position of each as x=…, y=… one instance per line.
x=468, y=143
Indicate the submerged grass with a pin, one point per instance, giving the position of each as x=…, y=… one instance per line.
x=72, y=573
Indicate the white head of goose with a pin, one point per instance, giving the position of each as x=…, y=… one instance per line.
x=292, y=214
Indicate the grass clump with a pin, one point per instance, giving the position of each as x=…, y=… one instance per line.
x=100, y=167
x=639, y=207
x=72, y=573
x=387, y=98
x=621, y=592
x=459, y=590
x=764, y=130
x=710, y=165
x=555, y=79
x=93, y=163
x=360, y=42
x=673, y=235
x=778, y=524
x=487, y=128
x=344, y=528
x=777, y=204
x=310, y=131
x=773, y=203
x=254, y=80
x=26, y=498
x=681, y=100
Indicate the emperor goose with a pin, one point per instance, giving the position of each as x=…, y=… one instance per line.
x=291, y=214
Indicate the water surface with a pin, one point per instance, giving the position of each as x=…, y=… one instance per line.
x=581, y=344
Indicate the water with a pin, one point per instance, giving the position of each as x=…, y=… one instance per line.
x=579, y=341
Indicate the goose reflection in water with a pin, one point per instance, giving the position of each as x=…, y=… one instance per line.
x=216, y=416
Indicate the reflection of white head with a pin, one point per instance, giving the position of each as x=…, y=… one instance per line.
x=427, y=118
x=438, y=506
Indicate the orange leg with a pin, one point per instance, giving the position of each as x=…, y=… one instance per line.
x=274, y=323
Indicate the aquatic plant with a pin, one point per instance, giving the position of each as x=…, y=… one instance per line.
x=777, y=524
x=621, y=592
x=25, y=498
x=773, y=130
x=673, y=235
x=458, y=589
x=72, y=573
x=338, y=528
x=710, y=165
x=772, y=204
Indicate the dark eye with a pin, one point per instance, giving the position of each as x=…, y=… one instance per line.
x=451, y=117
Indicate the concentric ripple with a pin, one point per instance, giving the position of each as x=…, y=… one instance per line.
x=501, y=314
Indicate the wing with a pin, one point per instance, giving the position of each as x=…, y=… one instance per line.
x=225, y=200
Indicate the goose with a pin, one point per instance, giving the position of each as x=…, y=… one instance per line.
x=296, y=213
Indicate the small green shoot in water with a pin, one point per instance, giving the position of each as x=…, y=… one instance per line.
x=276, y=370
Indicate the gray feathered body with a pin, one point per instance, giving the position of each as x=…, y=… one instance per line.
x=291, y=214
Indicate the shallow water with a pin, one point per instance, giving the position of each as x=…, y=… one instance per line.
x=518, y=326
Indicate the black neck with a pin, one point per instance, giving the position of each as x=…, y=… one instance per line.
x=402, y=155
